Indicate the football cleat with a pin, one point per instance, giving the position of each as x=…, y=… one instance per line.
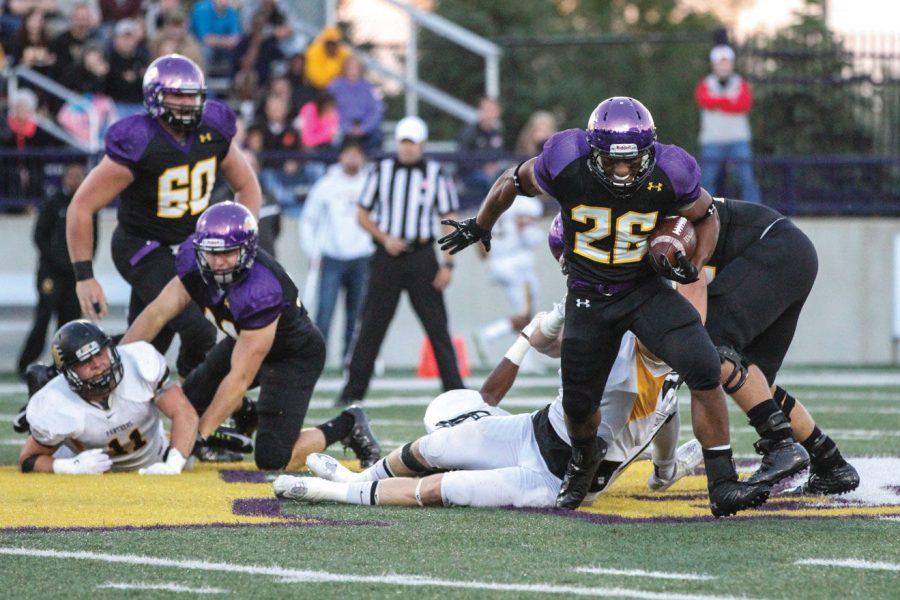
x=781, y=459
x=228, y=438
x=328, y=467
x=204, y=453
x=687, y=457
x=20, y=421
x=580, y=474
x=37, y=375
x=728, y=496
x=361, y=439
x=245, y=418
x=309, y=489
x=835, y=480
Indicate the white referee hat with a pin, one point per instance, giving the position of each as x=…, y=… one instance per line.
x=413, y=129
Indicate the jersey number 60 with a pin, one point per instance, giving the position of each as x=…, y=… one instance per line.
x=184, y=188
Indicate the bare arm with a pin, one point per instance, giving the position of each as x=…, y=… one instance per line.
x=175, y=405
x=502, y=194
x=240, y=176
x=251, y=348
x=707, y=228
x=106, y=181
x=169, y=304
x=32, y=447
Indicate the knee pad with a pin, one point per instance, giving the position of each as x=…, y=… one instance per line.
x=785, y=401
x=738, y=376
x=272, y=453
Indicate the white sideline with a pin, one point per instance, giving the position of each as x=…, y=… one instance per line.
x=642, y=573
x=304, y=576
x=850, y=563
x=165, y=587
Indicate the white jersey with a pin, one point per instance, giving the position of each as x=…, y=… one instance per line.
x=511, y=259
x=131, y=431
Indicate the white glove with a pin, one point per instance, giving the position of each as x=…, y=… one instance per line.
x=552, y=322
x=89, y=462
x=173, y=465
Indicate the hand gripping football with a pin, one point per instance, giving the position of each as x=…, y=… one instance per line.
x=675, y=234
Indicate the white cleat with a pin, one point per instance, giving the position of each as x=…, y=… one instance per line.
x=687, y=457
x=289, y=487
x=328, y=467
x=308, y=489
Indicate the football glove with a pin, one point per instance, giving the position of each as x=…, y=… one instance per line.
x=173, y=465
x=467, y=233
x=683, y=272
x=89, y=462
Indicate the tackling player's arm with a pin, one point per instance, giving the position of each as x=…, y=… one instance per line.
x=250, y=349
x=702, y=213
x=175, y=405
x=169, y=304
x=106, y=181
x=240, y=176
x=36, y=457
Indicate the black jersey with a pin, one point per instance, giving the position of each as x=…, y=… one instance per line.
x=265, y=294
x=605, y=234
x=741, y=224
x=172, y=180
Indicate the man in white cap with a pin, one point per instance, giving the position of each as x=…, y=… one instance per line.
x=724, y=98
x=402, y=202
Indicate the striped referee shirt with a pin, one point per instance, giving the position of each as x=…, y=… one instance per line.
x=406, y=201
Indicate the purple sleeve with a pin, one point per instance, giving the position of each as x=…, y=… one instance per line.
x=186, y=258
x=258, y=301
x=558, y=153
x=127, y=140
x=220, y=117
x=682, y=170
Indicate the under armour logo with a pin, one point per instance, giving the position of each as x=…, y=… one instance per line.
x=654, y=187
x=205, y=137
x=582, y=303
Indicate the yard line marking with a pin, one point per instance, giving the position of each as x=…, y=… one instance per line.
x=642, y=573
x=166, y=587
x=305, y=576
x=850, y=563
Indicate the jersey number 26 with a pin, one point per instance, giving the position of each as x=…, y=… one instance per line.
x=630, y=234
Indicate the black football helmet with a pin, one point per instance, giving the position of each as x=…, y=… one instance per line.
x=77, y=342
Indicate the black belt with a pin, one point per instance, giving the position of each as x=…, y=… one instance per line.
x=604, y=288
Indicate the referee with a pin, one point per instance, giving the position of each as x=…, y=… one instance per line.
x=401, y=204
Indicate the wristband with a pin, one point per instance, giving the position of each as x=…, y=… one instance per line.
x=83, y=270
x=518, y=350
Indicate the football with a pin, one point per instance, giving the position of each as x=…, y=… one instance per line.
x=675, y=234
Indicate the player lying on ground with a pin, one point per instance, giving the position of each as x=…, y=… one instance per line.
x=510, y=460
x=105, y=407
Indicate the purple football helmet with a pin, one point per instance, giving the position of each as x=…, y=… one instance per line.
x=176, y=75
x=225, y=227
x=621, y=129
x=555, y=237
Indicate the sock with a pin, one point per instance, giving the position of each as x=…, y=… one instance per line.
x=377, y=472
x=365, y=493
x=497, y=329
x=768, y=420
x=338, y=428
x=822, y=449
x=719, y=464
x=665, y=469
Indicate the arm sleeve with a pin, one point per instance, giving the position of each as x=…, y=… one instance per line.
x=368, y=198
x=447, y=199
x=705, y=98
x=51, y=426
x=740, y=103
x=374, y=112
x=309, y=218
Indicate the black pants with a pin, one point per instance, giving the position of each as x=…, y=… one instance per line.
x=659, y=316
x=56, y=296
x=285, y=387
x=755, y=300
x=388, y=277
x=147, y=277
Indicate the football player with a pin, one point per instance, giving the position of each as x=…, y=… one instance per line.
x=761, y=273
x=104, y=406
x=615, y=183
x=270, y=342
x=163, y=166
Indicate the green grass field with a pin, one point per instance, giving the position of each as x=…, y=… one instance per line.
x=211, y=533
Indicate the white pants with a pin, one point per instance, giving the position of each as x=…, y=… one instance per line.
x=494, y=461
x=519, y=281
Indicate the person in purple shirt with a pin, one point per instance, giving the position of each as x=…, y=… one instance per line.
x=270, y=343
x=615, y=183
x=359, y=107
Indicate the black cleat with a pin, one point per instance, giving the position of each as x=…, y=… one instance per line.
x=361, y=439
x=728, y=496
x=580, y=475
x=37, y=375
x=245, y=418
x=840, y=478
x=204, y=453
x=20, y=421
x=781, y=459
x=227, y=438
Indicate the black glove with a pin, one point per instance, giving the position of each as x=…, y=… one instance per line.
x=683, y=272
x=467, y=233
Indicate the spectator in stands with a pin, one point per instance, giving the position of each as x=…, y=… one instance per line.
x=257, y=50
x=279, y=135
x=155, y=14
x=325, y=57
x=301, y=91
x=31, y=47
x=245, y=93
x=215, y=24
x=13, y=13
x=483, y=136
x=69, y=45
x=319, y=121
x=281, y=87
x=358, y=104
x=725, y=98
x=540, y=127
x=113, y=11
x=278, y=25
x=174, y=38
x=332, y=238
x=55, y=278
x=128, y=60
x=90, y=80
x=22, y=177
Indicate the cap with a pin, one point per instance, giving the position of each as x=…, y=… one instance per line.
x=125, y=26
x=413, y=129
x=721, y=53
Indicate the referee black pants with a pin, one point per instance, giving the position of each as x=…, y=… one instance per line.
x=388, y=277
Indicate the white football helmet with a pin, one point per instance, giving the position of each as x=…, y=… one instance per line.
x=456, y=406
